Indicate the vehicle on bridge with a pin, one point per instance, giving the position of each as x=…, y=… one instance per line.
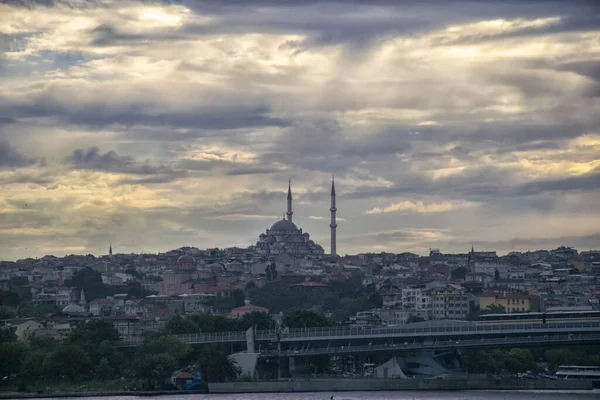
x=540, y=317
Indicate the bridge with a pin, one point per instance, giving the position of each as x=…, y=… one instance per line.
x=443, y=335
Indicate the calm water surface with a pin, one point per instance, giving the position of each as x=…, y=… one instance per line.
x=401, y=395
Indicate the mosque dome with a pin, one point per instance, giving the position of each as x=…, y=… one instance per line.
x=216, y=267
x=186, y=260
x=73, y=309
x=284, y=225
x=205, y=274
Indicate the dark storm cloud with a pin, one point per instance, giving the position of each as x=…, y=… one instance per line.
x=355, y=24
x=7, y=121
x=10, y=158
x=488, y=184
x=518, y=243
x=132, y=113
x=585, y=182
x=257, y=170
x=93, y=159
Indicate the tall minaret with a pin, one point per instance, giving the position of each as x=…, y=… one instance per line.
x=110, y=251
x=289, y=199
x=333, y=225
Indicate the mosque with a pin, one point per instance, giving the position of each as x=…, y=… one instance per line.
x=285, y=237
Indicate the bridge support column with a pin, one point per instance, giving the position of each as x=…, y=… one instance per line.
x=292, y=366
x=250, y=340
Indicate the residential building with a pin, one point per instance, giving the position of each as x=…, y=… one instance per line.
x=511, y=301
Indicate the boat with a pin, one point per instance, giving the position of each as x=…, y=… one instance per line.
x=578, y=372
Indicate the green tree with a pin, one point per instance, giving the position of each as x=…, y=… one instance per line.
x=519, y=360
x=179, y=325
x=154, y=369
x=414, y=318
x=104, y=370
x=474, y=313
x=137, y=291
x=214, y=365
x=459, y=273
x=496, y=275
x=214, y=323
x=260, y=320
x=11, y=357
x=91, y=282
x=306, y=319
x=69, y=361
x=10, y=299
x=158, y=344
x=94, y=332
x=8, y=334
x=35, y=365
x=158, y=357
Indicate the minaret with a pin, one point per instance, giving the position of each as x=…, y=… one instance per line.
x=333, y=224
x=289, y=199
x=110, y=251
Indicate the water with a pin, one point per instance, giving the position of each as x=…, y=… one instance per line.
x=399, y=395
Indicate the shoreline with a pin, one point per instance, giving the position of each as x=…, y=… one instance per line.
x=31, y=395
x=339, y=385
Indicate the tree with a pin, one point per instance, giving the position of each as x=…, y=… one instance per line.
x=306, y=319
x=214, y=365
x=69, y=361
x=154, y=369
x=133, y=272
x=158, y=344
x=95, y=332
x=11, y=356
x=179, y=325
x=519, y=360
x=8, y=334
x=10, y=299
x=474, y=313
x=91, y=282
x=496, y=275
x=158, y=357
x=375, y=300
x=136, y=290
x=104, y=370
x=258, y=319
x=35, y=365
x=459, y=273
x=494, y=309
x=414, y=318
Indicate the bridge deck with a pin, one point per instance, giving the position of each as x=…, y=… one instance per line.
x=464, y=330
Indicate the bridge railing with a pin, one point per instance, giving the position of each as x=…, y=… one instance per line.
x=328, y=333
x=438, y=344
x=443, y=328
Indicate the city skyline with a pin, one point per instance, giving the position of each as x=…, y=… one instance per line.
x=156, y=125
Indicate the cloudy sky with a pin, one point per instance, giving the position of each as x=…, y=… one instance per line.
x=154, y=125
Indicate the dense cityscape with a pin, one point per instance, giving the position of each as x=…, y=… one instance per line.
x=282, y=199
x=285, y=281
